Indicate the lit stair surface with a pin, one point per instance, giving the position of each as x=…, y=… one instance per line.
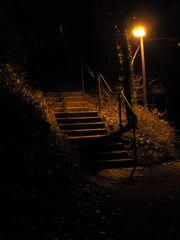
x=86, y=131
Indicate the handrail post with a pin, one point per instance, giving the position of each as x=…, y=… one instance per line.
x=134, y=127
x=135, y=151
x=134, y=142
x=99, y=92
x=120, y=110
x=82, y=75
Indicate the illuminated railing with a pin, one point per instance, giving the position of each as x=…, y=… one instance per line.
x=121, y=96
x=134, y=122
x=100, y=78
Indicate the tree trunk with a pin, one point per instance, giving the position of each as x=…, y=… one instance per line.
x=124, y=55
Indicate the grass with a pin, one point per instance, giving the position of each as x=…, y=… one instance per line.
x=155, y=137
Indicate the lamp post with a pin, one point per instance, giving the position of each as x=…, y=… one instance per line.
x=140, y=32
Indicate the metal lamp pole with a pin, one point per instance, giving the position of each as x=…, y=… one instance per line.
x=139, y=32
x=143, y=71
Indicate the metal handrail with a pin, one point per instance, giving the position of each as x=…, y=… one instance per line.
x=102, y=77
x=128, y=104
x=90, y=71
x=82, y=73
x=134, y=124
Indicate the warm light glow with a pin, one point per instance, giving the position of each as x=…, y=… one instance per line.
x=139, y=32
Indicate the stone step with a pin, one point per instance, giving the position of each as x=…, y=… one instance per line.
x=72, y=120
x=85, y=132
x=64, y=94
x=105, y=155
x=53, y=99
x=77, y=140
x=71, y=109
x=113, y=163
x=72, y=126
x=89, y=140
x=64, y=104
x=59, y=114
x=100, y=147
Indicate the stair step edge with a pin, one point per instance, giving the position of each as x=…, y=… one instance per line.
x=80, y=124
x=84, y=130
x=115, y=160
x=98, y=136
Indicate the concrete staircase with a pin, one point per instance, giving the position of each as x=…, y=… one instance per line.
x=86, y=131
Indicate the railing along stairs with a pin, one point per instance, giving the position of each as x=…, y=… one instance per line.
x=121, y=99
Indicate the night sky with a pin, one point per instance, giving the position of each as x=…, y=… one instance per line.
x=51, y=37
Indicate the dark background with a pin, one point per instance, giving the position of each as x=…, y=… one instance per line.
x=50, y=38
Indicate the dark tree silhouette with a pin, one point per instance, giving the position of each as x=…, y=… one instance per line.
x=117, y=16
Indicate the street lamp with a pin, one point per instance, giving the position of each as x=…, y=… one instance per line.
x=140, y=32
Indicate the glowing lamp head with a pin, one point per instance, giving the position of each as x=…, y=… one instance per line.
x=139, y=32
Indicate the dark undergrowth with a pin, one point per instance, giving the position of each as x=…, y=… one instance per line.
x=43, y=192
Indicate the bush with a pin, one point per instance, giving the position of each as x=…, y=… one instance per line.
x=28, y=128
x=36, y=165
x=154, y=136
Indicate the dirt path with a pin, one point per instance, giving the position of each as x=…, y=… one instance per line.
x=104, y=206
x=157, y=181
x=147, y=207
